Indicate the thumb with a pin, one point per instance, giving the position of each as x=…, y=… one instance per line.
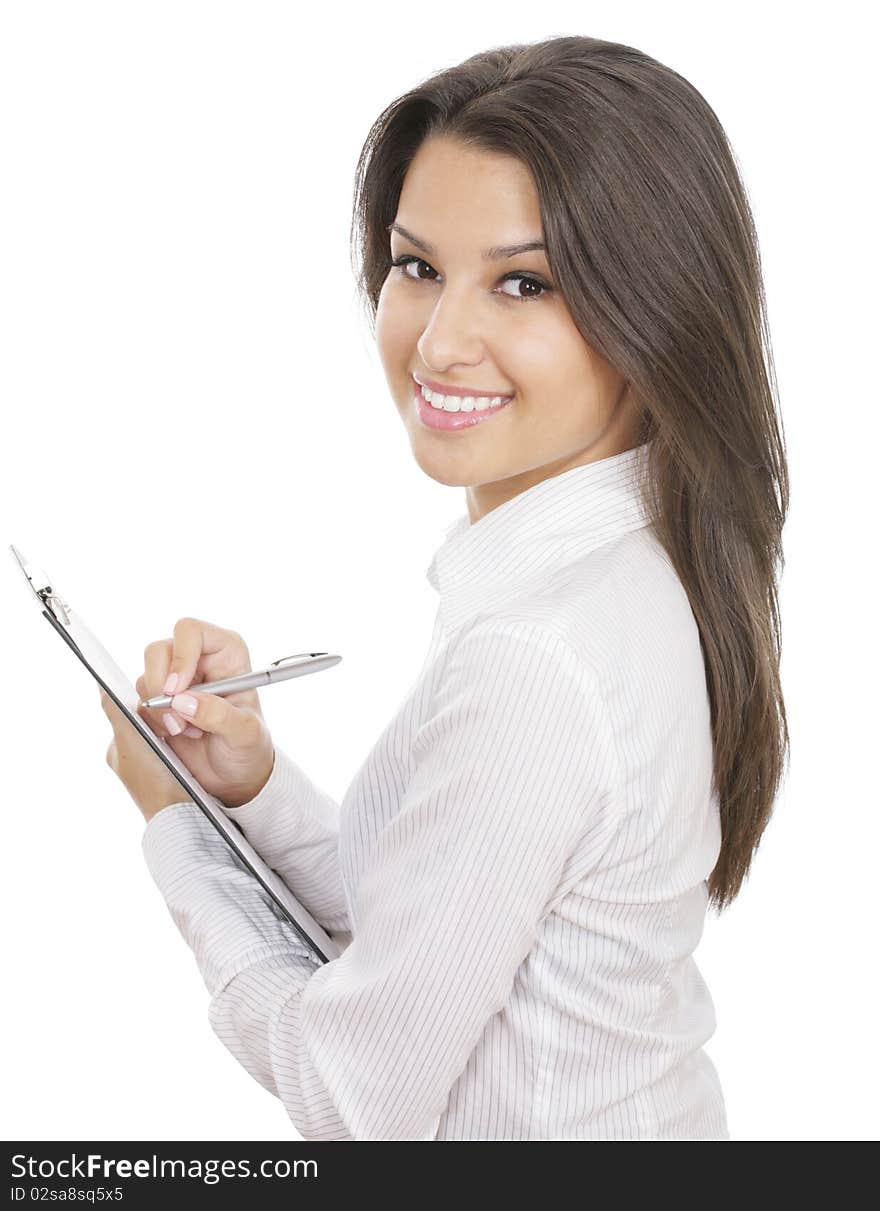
x=212, y=713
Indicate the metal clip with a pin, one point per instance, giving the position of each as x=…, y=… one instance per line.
x=39, y=582
x=59, y=609
x=298, y=656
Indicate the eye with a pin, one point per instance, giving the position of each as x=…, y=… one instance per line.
x=403, y=261
x=533, y=280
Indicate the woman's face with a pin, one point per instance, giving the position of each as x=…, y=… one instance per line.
x=450, y=316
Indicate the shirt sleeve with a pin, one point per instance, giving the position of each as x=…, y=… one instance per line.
x=294, y=826
x=511, y=775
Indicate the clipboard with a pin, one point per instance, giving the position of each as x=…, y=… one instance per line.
x=106, y=672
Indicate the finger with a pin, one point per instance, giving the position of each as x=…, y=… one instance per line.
x=109, y=707
x=215, y=651
x=143, y=691
x=156, y=658
x=214, y=714
x=177, y=725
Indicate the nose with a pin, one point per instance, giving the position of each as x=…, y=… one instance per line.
x=452, y=335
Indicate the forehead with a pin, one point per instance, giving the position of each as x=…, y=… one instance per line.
x=453, y=192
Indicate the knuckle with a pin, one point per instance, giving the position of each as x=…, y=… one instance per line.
x=186, y=646
x=238, y=650
x=234, y=641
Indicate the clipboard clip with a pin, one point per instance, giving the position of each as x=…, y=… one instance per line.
x=39, y=582
x=298, y=656
x=54, y=603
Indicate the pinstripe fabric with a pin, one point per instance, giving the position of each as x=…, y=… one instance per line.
x=517, y=871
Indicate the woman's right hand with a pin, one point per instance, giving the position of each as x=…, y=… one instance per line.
x=226, y=744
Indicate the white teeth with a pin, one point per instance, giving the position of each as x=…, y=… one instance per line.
x=459, y=403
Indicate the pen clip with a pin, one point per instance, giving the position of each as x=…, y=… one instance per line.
x=297, y=656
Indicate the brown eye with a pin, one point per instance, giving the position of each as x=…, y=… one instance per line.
x=403, y=261
x=535, y=283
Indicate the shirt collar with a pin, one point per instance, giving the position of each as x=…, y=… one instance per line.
x=526, y=540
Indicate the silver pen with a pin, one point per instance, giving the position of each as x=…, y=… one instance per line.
x=279, y=670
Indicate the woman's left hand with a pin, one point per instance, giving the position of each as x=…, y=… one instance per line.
x=144, y=775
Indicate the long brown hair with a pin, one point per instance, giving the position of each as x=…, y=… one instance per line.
x=652, y=245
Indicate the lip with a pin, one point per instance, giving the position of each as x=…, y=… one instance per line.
x=439, y=419
x=462, y=391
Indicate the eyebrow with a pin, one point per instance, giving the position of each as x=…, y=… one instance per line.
x=495, y=253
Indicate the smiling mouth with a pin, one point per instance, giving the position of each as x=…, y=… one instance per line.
x=429, y=388
x=441, y=419
x=459, y=401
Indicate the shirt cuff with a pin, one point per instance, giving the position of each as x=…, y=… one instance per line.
x=219, y=907
x=294, y=826
x=175, y=839
x=287, y=784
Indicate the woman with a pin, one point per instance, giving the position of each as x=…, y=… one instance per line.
x=560, y=262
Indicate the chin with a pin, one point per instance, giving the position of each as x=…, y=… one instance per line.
x=441, y=470
x=448, y=478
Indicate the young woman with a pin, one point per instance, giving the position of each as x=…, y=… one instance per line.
x=559, y=260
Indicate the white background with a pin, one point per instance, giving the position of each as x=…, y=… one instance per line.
x=196, y=422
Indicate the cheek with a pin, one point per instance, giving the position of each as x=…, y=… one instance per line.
x=395, y=321
x=540, y=354
x=559, y=366
x=561, y=393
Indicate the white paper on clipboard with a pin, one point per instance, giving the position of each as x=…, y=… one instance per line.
x=107, y=673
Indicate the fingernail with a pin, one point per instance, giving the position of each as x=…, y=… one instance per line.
x=171, y=723
x=190, y=730
x=187, y=704
x=171, y=684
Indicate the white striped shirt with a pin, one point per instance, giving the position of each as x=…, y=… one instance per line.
x=518, y=868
